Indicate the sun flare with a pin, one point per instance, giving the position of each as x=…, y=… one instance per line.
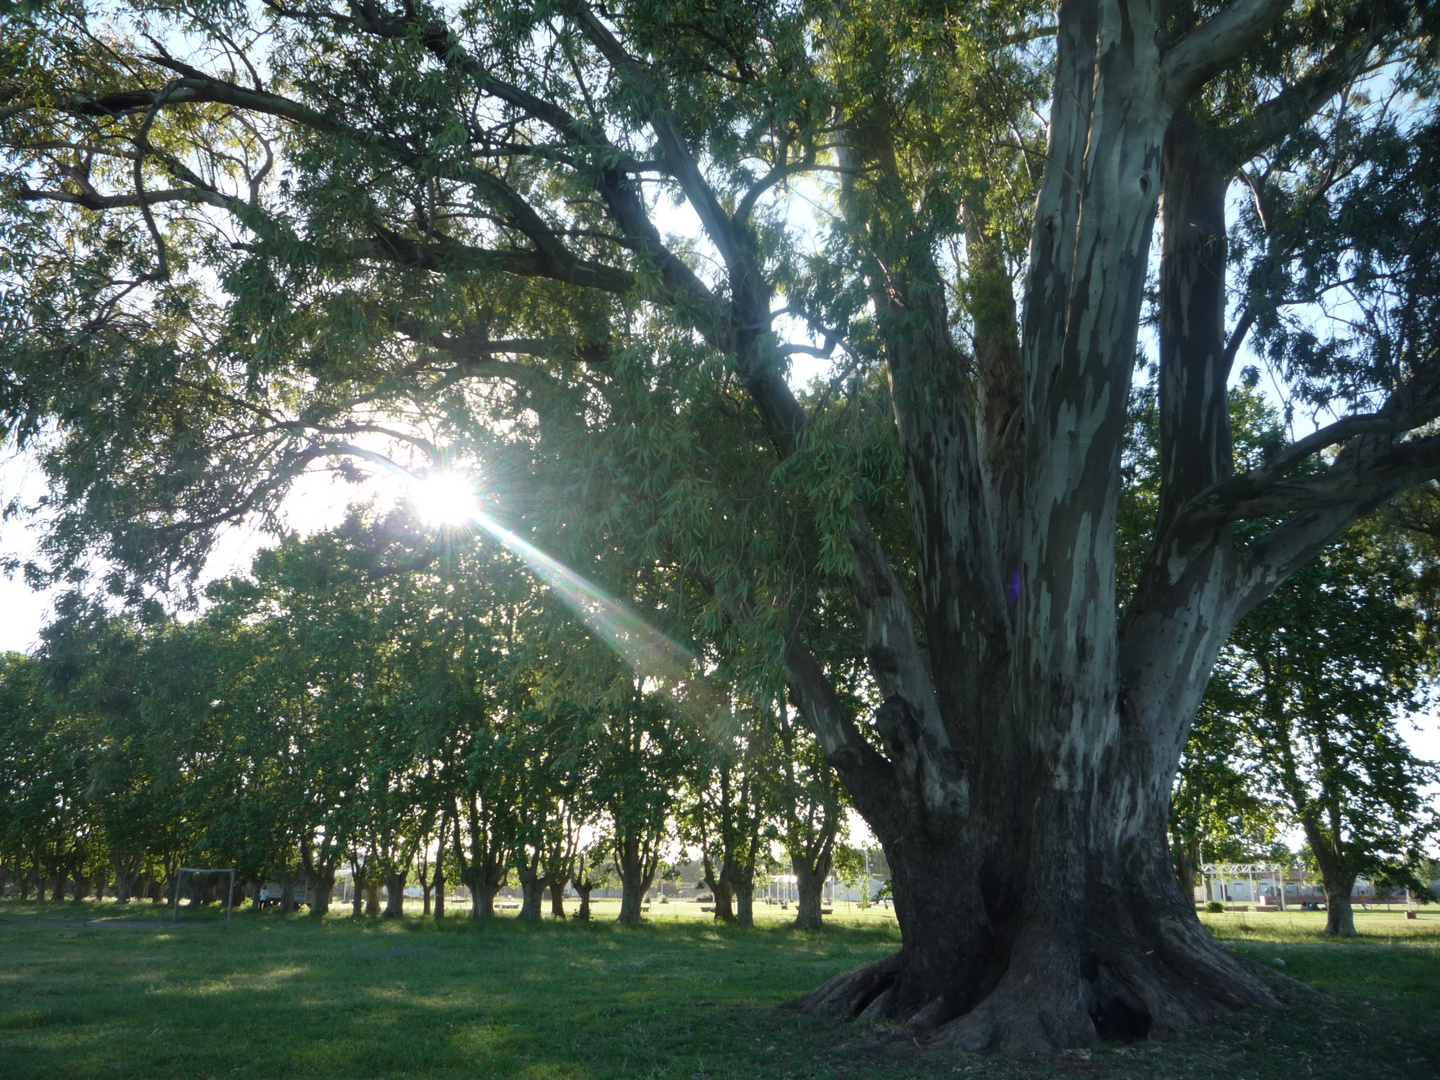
x=444, y=498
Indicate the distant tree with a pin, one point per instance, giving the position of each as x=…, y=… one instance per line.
x=1319, y=677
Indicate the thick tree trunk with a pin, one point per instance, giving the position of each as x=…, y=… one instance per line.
x=372, y=896
x=745, y=901
x=583, y=891
x=810, y=885
x=1339, y=910
x=324, y=882
x=1337, y=877
x=485, y=898
x=395, y=895
x=532, y=885
x=557, y=897
x=722, y=890
x=1049, y=940
x=632, y=898
x=637, y=873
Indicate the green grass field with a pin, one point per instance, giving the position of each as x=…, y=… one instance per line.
x=95, y=990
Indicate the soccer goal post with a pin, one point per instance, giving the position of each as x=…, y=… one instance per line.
x=195, y=871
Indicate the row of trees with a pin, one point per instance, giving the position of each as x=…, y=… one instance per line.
x=403, y=703
x=347, y=705
x=242, y=241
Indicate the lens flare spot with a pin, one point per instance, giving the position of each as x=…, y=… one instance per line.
x=444, y=498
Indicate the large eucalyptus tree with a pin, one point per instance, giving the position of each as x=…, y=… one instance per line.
x=244, y=239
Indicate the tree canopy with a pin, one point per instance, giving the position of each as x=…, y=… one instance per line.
x=580, y=248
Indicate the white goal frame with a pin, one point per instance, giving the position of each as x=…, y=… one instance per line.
x=180, y=878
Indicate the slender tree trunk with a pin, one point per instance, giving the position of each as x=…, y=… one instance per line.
x=439, y=882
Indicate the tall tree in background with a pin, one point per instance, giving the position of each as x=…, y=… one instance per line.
x=405, y=204
x=1319, y=676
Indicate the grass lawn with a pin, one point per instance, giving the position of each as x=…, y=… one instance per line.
x=91, y=990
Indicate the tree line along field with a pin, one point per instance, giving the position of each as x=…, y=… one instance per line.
x=93, y=989
x=1013, y=423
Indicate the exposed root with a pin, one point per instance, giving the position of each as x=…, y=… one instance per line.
x=1053, y=997
x=1041, y=1005
x=852, y=993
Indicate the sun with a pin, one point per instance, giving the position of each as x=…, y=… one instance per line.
x=444, y=498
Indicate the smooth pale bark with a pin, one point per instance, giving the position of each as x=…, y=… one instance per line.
x=1022, y=784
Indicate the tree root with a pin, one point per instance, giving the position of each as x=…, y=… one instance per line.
x=854, y=993
x=1052, y=997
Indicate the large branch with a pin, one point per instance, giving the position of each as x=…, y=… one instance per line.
x=681, y=162
x=1367, y=466
x=1210, y=47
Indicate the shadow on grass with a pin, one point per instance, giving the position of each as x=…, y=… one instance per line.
x=298, y=996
